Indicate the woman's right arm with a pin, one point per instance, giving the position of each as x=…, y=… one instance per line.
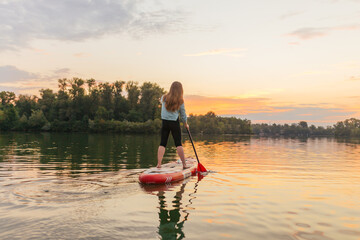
x=183, y=115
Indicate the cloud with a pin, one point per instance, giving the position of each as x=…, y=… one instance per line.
x=354, y=78
x=290, y=14
x=296, y=114
x=157, y=22
x=234, y=52
x=20, y=81
x=77, y=20
x=62, y=71
x=10, y=74
x=310, y=33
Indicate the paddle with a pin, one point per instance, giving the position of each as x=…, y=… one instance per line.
x=200, y=167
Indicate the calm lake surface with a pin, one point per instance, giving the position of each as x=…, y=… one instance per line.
x=85, y=186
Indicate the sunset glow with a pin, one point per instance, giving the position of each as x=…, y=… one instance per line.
x=265, y=61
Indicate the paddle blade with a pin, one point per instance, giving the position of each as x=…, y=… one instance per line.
x=201, y=168
x=200, y=176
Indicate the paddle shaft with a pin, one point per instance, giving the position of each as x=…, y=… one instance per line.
x=197, y=158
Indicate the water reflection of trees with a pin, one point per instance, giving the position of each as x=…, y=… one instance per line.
x=82, y=152
x=74, y=153
x=210, y=139
x=348, y=140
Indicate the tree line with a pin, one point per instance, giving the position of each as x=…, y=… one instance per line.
x=300, y=129
x=86, y=105
x=347, y=128
x=126, y=107
x=210, y=123
x=82, y=105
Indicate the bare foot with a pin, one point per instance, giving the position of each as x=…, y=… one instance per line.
x=186, y=167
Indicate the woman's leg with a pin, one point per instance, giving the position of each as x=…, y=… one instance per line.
x=161, y=152
x=165, y=131
x=180, y=152
x=176, y=133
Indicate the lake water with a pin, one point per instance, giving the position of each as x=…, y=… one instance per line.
x=85, y=186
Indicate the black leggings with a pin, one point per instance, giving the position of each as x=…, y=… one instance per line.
x=173, y=127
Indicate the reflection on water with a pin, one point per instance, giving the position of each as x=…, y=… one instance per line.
x=170, y=223
x=172, y=208
x=70, y=186
x=73, y=153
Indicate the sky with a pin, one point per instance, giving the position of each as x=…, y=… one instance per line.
x=275, y=61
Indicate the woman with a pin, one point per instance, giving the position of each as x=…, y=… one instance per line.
x=172, y=106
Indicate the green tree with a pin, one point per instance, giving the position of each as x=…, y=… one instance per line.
x=23, y=123
x=107, y=97
x=25, y=104
x=76, y=89
x=149, y=102
x=118, y=87
x=63, y=84
x=7, y=98
x=8, y=118
x=210, y=123
x=37, y=120
x=133, y=91
x=63, y=101
x=77, y=92
x=121, y=104
x=134, y=116
x=102, y=114
x=47, y=103
x=91, y=83
x=348, y=128
x=303, y=124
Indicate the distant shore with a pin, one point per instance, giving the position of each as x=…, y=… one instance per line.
x=125, y=107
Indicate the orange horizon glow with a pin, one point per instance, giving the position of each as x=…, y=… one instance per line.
x=288, y=66
x=263, y=110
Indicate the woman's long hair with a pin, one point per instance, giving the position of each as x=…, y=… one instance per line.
x=174, y=98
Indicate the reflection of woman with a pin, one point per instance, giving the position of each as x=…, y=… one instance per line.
x=172, y=105
x=170, y=224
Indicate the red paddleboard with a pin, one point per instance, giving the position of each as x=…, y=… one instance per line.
x=169, y=172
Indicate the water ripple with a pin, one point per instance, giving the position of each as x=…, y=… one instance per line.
x=67, y=186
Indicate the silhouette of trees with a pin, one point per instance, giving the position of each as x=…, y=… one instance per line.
x=300, y=130
x=127, y=107
x=210, y=123
x=80, y=102
x=349, y=127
